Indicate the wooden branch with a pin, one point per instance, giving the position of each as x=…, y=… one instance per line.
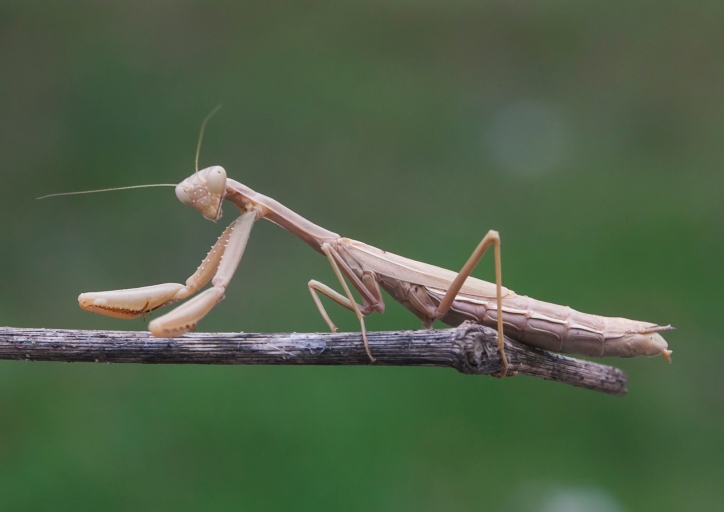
x=469, y=348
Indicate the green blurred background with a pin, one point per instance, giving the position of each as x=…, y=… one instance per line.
x=590, y=135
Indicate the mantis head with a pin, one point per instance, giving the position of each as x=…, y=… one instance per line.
x=205, y=191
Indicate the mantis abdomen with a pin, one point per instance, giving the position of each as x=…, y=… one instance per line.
x=560, y=328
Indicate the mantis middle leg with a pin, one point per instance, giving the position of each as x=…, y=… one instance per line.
x=368, y=287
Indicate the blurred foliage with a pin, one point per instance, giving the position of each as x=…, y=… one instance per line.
x=588, y=134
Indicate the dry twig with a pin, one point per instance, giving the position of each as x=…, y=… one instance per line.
x=469, y=348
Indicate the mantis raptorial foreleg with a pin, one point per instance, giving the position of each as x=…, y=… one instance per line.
x=134, y=302
x=185, y=317
x=220, y=263
x=491, y=238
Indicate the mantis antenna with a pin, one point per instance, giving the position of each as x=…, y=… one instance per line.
x=201, y=133
x=198, y=151
x=107, y=190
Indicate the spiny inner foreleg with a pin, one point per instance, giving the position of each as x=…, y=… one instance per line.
x=219, y=264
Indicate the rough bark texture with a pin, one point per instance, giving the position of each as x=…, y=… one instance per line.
x=469, y=348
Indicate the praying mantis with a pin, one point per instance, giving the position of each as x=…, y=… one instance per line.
x=429, y=292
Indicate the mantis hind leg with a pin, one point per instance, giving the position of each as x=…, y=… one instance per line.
x=491, y=238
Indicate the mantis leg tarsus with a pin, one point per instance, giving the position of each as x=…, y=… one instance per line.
x=491, y=238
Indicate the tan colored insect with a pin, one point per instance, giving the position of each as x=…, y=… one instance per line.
x=429, y=292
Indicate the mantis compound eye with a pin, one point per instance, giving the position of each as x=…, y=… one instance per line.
x=216, y=179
